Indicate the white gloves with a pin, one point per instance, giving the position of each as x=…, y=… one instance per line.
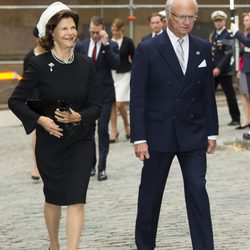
x=234, y=28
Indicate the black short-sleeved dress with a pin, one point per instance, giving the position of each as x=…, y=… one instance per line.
x=65, y=163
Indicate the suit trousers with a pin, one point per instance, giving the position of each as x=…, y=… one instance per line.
x=226, y=83
x=103, y=135
x=153, y=179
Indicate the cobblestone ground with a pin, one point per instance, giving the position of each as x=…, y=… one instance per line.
x=111, y=205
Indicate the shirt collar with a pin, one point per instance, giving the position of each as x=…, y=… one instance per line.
x=173, y=37
x=93, y=42
x=220, y=31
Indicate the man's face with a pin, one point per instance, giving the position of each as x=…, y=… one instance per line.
x=156, y=24
x=94, y=31
x=219, y=24
x=182, y=17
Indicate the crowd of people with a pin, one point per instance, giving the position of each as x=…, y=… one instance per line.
x=169, y=81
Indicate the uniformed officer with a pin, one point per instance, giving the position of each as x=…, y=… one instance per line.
x=222, y=67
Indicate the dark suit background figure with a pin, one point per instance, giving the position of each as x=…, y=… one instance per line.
x=221, y=57
x=107, y=59
x=156, y=22
x=173, y=114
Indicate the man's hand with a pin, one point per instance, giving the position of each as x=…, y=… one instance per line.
x=211, y=146
x=234, y=28
x=216, y=72
x=141, y=151
x=104, y=37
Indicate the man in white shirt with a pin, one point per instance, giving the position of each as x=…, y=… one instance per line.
x=173, y=113
x=105, y=55
x=156, y=22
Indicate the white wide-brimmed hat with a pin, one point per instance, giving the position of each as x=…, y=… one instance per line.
x=47, y=14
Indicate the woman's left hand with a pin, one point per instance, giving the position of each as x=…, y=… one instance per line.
x=67, y=116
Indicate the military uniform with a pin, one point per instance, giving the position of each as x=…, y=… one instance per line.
x=221, y=57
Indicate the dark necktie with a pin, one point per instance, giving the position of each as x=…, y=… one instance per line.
x=94, y=54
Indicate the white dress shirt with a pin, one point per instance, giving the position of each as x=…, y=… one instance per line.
x=174, y=40
x=156, y=34
x=91, y=47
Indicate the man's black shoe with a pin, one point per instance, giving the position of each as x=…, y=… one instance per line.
x=102, y=176
x=233, y=123
x=92, y=173
x=246, y=136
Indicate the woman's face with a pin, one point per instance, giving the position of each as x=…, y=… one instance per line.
x=246, y=22
x=65, y=33
x=116, y=33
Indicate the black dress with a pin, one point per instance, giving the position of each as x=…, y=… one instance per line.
x=65, y=163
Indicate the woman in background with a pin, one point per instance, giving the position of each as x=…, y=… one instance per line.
x=121, y=79
x=245, y=51
x=244, y=91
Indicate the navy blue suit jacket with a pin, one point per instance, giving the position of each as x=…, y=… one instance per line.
x=172, y=111
x=107, y=59
x=221, y=52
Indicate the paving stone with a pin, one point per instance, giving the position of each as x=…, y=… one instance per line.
x=111, y=205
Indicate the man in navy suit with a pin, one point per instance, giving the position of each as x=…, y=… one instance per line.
x=156, y=22
x=173, y=113
x=105, y=55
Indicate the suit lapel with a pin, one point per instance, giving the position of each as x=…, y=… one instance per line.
x=166, y=50
x=194, y=57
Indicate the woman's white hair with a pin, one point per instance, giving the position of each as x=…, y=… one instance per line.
x=170, y=3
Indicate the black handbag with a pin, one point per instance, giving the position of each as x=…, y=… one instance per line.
x=48, y=108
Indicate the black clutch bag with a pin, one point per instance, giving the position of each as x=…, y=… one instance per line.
x=47, y=107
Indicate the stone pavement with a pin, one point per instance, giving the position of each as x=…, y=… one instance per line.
x=111, y=205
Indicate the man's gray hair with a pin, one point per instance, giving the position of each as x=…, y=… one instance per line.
x=170, y=3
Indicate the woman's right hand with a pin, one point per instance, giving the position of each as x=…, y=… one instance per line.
x=50, y=126
x=238, y=75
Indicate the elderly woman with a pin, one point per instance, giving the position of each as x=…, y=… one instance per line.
x=65, y=141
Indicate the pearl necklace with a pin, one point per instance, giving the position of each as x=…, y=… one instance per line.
x=62, y=61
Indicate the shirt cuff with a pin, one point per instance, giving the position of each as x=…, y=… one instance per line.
x=212, y=137
x=141, y=141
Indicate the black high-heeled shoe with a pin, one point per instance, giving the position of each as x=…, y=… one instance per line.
x=243, y=127
x=128, y=137
x=35, y=178
x=114, y=140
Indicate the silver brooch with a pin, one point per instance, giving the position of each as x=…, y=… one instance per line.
x=51, y=65
x=198, y=53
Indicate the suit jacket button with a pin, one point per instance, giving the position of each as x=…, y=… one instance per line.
x=199, y=82
x=168, y=82
x=175, y=116
x=191, y=116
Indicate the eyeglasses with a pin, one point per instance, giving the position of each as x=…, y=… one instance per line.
x=94, y=32
x=182, y=19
